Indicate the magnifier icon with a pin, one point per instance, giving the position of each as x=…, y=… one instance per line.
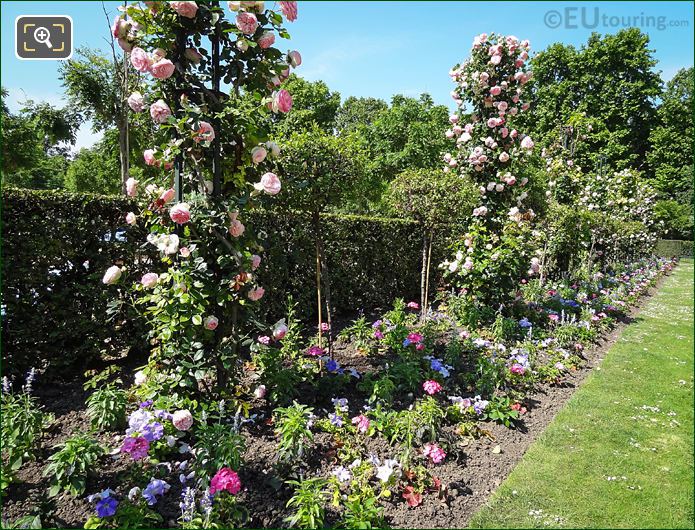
x=42, y=36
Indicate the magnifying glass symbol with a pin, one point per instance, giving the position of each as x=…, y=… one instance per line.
x=42, y=36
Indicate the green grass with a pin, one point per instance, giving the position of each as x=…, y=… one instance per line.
x=620, y=454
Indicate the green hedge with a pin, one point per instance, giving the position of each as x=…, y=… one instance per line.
x=54, y=308
x=674, y=247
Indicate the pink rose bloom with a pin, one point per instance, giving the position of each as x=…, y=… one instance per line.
x=162, y=69
x=131, y=186
x=160, y=111
x=185, y=9
x=149, y=280
x=282, y=101
x=211, y=322
x=266, y=40
x=119, y=28
x=280, y=331
x=362, y=423
x=270, y=183
x=260, y=392
x=504, y=157
x=130, y=218
x=294, y=58
x=193, y=55
x=225, y=480
x=236, y=228
x=136, y=102
x=247, y=23
x=289, y=9
x=180, y=213
x=434, y=452
x=140, y=60
x=112, y=275
x=431, y=387
x=258, y=154
x=527, y=143
x=136, y=447
x=149, y=157
x=182, y=420
x=185, y=252
x=204, y=132
x=256, y=294
x=167, y=195
x=255, y=261
x=496, y=59
x=495, y=91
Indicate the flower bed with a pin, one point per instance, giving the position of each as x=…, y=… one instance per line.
x=394, y=428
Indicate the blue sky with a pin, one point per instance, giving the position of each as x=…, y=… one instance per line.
x=377, y=48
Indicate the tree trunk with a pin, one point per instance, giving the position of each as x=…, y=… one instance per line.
x=123, y=152
x=327, y=289
x=317, y=239
x=423, y=275
x=427, y=274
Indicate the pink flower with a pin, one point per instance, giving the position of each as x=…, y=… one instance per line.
x=160, y=111
x=260, y=392
x=553, y=317
x=162, y=69
x=280, y=331
x=140, y=60
x=247, y=23
x=167, y=195
x=264, y=339
x=225, y=480
x=204, y=132
x=495, y=91
x=413, y=305
x=137, y=447
x=193, y=55
x=258, y=154
x=185, y=252
x=434, y=452
x=431, y=387
x=415, y=337
x=315, y=351
x=112, y=275
x=149, y=280
x=270, y=183
x=517, y=369
x=256, y=294
x=185, y=9
x=130, y=218
x=266, y=40
x=362, y=423
x=289, y=9
x=236, y=228
x=495, y=59
x=527, y=143
x=325, y=326
x=282, y=101
x=131, y=186
x=180, y=213
x=211, y=322
x=119, y=28
x=294, y=58
x=182, y=420
x=255, y=261
x=125, y=45
x=136, y=102
x=149, y=157
x=504, y=157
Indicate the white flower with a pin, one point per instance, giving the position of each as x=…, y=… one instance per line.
x=384, y=472
x=342, y=474
x=140, y=378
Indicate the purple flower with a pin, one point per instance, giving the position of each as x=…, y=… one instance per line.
x=335, y=419
x=146, y=404
x=163, y=415
x=106, y=507
x=153, y=431
x=155, y=488
x=137, y=447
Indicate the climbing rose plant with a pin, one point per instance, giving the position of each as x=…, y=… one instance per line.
x=213, y=80
x=491, y=152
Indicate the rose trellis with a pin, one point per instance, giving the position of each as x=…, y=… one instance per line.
x=212, y=81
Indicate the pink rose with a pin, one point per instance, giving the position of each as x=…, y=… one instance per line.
x=527, y=143
x=182, y=420
x=225, y=480
x=255, y=261
x=294, y=58
x=289, y=9
x=258, y=154
x=167, y=195
x=149, y=157
x=112, y=275
x=211, y=322
x=180, y=213
x=495, y=91
x=185, y=9
x=495, y=59
x=266, y=40
x=504, y=157
x=136, y=102
x=160, y=111
x=140, y=60
x=236, y=228
x=280, y=331
x=247, y=23
x=282, y=101
x=131, y=186
x=204, y=132
x=149, y=280
x=162, y=69
x=193, y=55
x=119, y=29
x=185, y=252
x=256, y=294
x=130, y=218
x=270, y=183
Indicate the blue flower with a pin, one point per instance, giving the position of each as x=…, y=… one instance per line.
x=406, y=343
x=524, y=323
x=146, y=404
x=335, y=419
x=332, y=365
x=106, y=507
x=155, y=488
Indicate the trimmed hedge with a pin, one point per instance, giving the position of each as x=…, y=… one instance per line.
x=54, y=307
x=674, y=247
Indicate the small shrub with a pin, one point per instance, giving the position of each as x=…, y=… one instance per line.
x=106, y=408
x=217, y=446
x=69, y=467
x=294, y=432
x=307, y=501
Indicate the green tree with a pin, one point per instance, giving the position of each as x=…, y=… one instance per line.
x=356, y=113
x=312, y=103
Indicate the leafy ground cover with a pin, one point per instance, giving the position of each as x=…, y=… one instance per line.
x=620, y=454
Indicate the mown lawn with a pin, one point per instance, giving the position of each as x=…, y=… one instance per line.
x=620, y=454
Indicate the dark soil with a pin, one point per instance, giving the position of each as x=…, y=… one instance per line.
x=469, y=478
